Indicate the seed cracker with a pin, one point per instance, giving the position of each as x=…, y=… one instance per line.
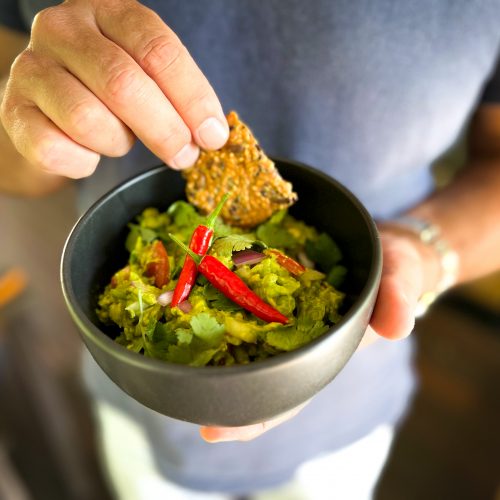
x=242, y=169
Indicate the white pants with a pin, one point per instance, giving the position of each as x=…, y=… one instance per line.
x=348, y=474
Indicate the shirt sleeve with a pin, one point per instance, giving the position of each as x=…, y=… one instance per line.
x=491, y=93
x=10, y=15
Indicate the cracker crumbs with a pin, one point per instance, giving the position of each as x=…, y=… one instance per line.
x=241, y=168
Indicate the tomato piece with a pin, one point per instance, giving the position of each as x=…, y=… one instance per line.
x=291, y=265
x=159, y=267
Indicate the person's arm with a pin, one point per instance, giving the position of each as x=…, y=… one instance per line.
x=468, y=215
x=469, y=210
x=17, y=175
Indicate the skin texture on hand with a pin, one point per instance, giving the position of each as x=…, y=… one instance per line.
x=75, y=91
x=246, y=433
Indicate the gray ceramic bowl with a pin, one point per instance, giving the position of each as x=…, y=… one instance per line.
x=235, y=395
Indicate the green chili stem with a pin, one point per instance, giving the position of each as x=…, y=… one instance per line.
x=215, y=213
x=197, y=258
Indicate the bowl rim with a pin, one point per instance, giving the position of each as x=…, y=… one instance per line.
x=88, y=329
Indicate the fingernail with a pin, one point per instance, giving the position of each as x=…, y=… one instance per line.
x=217, y=440
x=212, y=134
x=404, y=296
x=186, y=157
x=219, y=435
x=209, y=436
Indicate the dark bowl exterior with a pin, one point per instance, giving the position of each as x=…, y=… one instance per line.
x=235, y=395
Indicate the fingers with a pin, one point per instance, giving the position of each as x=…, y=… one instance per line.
x=400, y=287
x=72, y=107
x=369, y=338
x=245, y=433
x=394, y=313
x=44, y=145
x=127, y=89
x=159, y=52
x=129, y=93
x=95, y=83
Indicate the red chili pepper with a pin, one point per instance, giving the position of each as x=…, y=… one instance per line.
x=199, y=244
x=291, y=265
x=159, y=266
x=233, y=287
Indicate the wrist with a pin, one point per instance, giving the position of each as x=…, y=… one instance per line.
x=438, y=260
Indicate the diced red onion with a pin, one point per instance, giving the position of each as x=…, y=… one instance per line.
x=247, y=257
x=185, y=306
x=305, y=260
x=165, y=298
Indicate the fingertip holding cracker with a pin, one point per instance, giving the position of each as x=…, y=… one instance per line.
x=242, y=169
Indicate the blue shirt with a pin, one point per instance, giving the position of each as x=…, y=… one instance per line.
x=370, y=92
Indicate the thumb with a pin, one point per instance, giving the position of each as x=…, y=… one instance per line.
x=400, y=287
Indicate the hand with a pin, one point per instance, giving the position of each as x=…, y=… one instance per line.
x=96, y=75
x=409, y=268
x=248, y=432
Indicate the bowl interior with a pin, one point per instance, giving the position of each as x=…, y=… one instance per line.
x=97, y=248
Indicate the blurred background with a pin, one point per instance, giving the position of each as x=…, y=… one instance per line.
x=448, y=446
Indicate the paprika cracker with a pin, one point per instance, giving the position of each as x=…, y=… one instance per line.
x=241, y=169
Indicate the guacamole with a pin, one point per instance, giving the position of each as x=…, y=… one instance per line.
x=209, y=328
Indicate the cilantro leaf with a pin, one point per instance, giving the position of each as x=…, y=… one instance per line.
x=273, y=234
x=161, y=339
x=323, y=251
x=183, y=214
x=164, y=333
x=151, y=225
x=182, y=345
x=336, y=275
x=221, y=229
x=179, y=354
x=217, y=300
x=225, y=246
x=295, y=336
x=136, y=231
x=188, y=355
x=184, y=336
x=208, y=329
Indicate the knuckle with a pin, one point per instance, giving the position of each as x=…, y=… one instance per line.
x=83, y=118
x=160, y=54
x=22, y=64
x=201, y=99
x=114, y=8
x=120, y=141
x=10, y=108
x=122, y=83
x=44, y=155
x=174, y=139
x=7, y=106
x=121, y=146
x=47, y=20
x=51, y=157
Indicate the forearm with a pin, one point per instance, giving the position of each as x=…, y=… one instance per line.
x=468, y=213
x=468, y=210
x=17, y=176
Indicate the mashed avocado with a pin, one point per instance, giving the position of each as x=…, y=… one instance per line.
x=216, y=331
